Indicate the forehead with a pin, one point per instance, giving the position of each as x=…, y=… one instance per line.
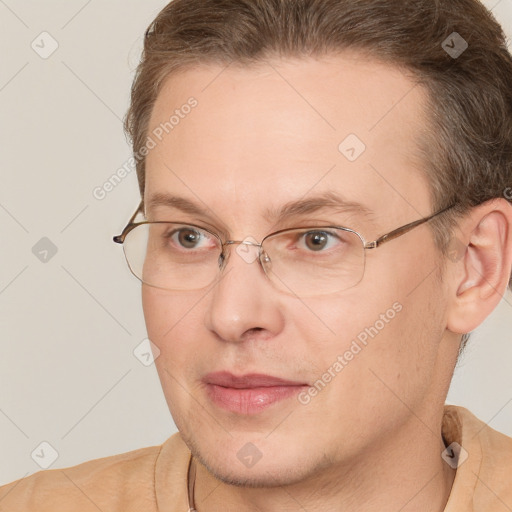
x=263, y=135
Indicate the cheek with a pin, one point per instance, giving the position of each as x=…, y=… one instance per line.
x=375, y=345
x=155, y=304
x=358, y=315
x=173, y=323
x=363, y=371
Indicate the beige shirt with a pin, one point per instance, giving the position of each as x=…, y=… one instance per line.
x=155, y=478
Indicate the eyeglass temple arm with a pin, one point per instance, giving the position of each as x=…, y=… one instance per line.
x=403, y=229
x=119, y=239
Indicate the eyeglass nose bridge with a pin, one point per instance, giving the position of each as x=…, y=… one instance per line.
x=262, y=261
x=246, y=242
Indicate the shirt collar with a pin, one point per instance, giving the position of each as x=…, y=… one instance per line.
x=462, y=431
x=475, y=481
x=171, y=469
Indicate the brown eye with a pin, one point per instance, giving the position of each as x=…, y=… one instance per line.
x=320, y=241
x=316, y=240
x=188, y=238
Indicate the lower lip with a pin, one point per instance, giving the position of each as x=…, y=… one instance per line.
x=250, y=401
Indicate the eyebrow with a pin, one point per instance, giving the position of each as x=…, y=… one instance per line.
x=326, y=201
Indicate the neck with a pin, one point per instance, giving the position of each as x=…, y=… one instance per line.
x=404, y=473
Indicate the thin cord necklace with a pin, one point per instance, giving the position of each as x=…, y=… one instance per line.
x=191, y=484
x=191, y=480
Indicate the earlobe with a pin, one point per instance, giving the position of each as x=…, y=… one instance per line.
x=483, y=272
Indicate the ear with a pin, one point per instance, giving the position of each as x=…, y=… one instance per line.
x=481, y=270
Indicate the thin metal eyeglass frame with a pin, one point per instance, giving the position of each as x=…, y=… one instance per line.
x=402, y=230
x=387, y=237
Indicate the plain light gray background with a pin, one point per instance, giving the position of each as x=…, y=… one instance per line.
x=69, y=326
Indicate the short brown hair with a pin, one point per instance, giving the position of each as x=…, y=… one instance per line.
x=467, y=145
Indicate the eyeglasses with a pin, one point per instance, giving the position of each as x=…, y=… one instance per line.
x=305, y=262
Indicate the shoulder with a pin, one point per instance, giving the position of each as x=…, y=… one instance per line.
x=494, y=445
x=110, y=483
x=486, y=469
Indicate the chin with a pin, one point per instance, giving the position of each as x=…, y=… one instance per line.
x=229, y=463
x=261, y=475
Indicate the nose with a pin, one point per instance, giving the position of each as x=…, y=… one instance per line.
x=243, y=303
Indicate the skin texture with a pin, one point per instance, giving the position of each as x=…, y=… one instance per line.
x=259, y=138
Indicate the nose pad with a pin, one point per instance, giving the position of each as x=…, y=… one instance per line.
x=263, y=257
x=265, y=261
x=222, y=260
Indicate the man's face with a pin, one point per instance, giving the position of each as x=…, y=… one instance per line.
x=258, y=139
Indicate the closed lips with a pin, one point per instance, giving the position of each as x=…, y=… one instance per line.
x=253, y=380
